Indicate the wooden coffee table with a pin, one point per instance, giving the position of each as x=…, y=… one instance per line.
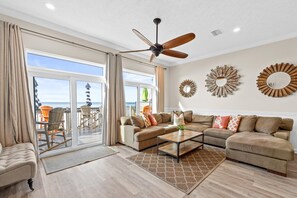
x=180, y=144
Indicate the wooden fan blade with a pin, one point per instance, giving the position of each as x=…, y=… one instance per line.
x=175, y=54
x=152, y=57
x=143, y=38
x=179, y=41
x=122, y=52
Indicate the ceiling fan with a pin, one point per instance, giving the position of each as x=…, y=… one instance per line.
x=164, y=48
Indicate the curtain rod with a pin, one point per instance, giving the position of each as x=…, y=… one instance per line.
x=80, y=45
x=152, y=65
x=59, y=39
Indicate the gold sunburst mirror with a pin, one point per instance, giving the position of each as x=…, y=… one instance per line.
x=278, y=80
x=222, y=81
x=187, y=88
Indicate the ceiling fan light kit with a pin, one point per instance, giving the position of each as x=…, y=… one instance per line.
x=164, y=48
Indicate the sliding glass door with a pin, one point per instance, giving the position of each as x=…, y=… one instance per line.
x=68, y=103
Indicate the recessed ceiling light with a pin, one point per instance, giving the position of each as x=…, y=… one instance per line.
x=237, y=29
x=50, y=6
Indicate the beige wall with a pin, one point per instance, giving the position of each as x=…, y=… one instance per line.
x=248, y=99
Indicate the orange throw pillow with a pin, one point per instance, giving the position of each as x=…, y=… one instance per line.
x=152, y=119
x=221, y=122
x=234, y=123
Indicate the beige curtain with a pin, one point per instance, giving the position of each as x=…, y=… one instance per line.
x=16, y=115
x=115, y=98
x=159, y=72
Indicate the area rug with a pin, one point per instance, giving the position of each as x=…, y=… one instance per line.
x=186, y=175
x=67, y=160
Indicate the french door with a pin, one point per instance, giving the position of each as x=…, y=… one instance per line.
x=80, y=98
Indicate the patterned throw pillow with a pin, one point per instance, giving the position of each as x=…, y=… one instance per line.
x=178, y=120
x=146, y=120
x=152, y=119
x=234, y=123
x=221, y=122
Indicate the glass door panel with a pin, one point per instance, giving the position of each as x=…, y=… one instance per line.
x=89, y=112
x=52, y=113
x=131, y=95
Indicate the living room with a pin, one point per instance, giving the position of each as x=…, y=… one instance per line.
x=236, y=63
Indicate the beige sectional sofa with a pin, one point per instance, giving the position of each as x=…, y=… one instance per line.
x=261, y=141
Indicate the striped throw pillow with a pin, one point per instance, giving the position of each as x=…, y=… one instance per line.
x=146, y=120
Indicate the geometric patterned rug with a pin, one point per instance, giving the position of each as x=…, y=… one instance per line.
x=186, y=175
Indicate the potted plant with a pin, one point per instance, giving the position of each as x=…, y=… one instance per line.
x=181, y=129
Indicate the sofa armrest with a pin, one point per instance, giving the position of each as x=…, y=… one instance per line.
x=126, y=135
x=282, y=134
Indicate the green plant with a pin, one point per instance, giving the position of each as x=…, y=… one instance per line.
x=181, y=127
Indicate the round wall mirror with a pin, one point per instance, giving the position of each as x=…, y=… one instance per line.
x=278, y=80
x=187, y=88
x=221, y=82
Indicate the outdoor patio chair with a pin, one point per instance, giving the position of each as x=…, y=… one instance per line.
x=54, y=127
x=87, y=118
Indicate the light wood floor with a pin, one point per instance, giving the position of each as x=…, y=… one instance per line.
x=114, y=176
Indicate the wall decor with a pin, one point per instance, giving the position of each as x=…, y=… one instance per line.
x=187, y=88
x=222, y=81
x=278, y=80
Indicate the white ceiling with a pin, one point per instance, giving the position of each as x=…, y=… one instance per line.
x=261, y=21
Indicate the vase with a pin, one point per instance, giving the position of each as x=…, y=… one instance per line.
x=180, y=132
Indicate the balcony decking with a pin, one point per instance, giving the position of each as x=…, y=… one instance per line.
x=89, y=130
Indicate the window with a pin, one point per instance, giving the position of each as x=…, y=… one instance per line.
x=76, y=87
x=47, y=62
x=139, y=92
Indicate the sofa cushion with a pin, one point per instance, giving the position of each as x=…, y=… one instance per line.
x=282, y=134
x=203, y=119
x=261, y=144
x=221, y=122
x=218, y=133
x=234, y=123
x=247, y=123
x=286, y=124
x=149, y=133
x=166, y=117
x=188, y=116
x=137, y=121
x=196, y=127
x=267, y=124
x=169, y=128
x=152, y=119
x=146, y=119
x=178, y=120
x=178, y=113
x=125, y=120
x=158, y=117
